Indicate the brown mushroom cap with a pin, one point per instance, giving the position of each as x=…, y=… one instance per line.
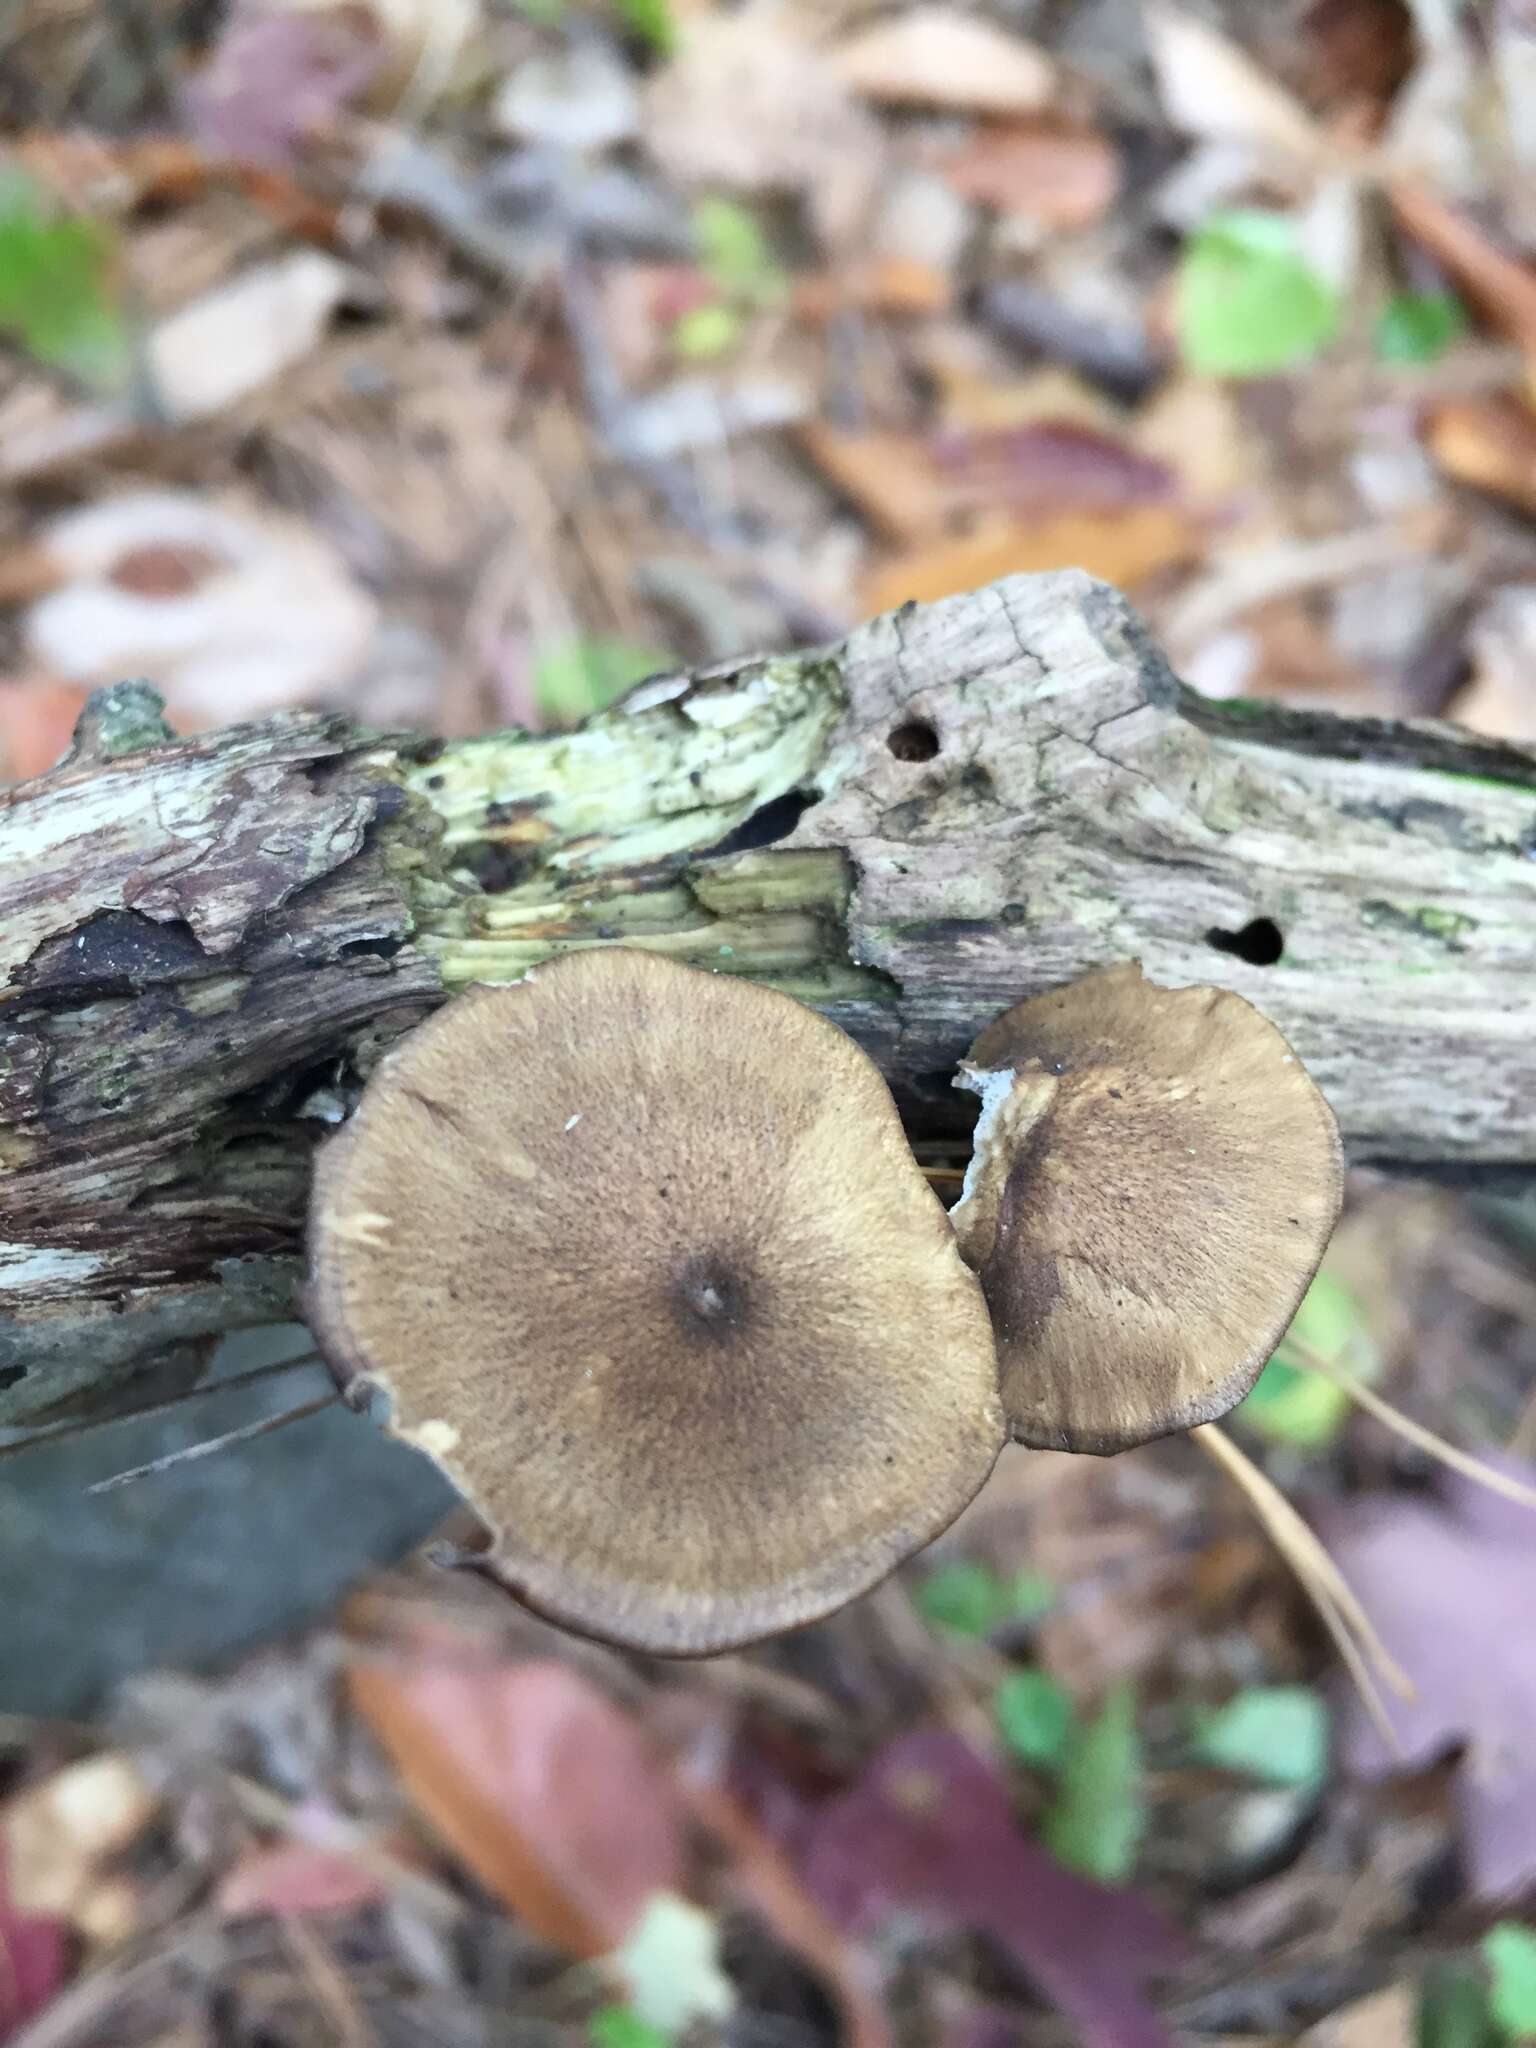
x=643, y=1261
x=1155, y=1179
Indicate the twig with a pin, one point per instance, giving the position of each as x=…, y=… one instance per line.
x=52, y=1432
x=248, y=1434
x=1339, y=1610
x=1464, y=1462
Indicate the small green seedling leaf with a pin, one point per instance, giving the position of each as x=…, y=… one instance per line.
x=970, y=1599
x=1292, y=1405
x=734, y=252
x=619, y=2026
x=669, y=1963
x=58, y=298
x=1416, y=327
x=1453, y=2007
x=966, y=1597
x=1247, y=302
x=1034, y=1717
x=1276, y=1733
x=704, y=332
x=1509, y=1950
x=1096, y=1823
x=652, y=21
x=574, y=678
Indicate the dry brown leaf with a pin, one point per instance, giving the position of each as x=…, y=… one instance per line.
x=544, y=1788
x=973, y=399
x=888, y=284
x=1500, y=700
x=231, y=341
x=749, y=105
x=1502, y=285
x=938, y=57
x=37, y=721
x=1123, y=547
x=1385, y=2019
x=1211, y=88
x=891, y=478
x=297, y=1877
x=1488, y=442
x=1060, y=178
x=60, y=1836
x=229, y=611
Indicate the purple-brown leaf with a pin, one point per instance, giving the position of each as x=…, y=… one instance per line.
x=928, y=1830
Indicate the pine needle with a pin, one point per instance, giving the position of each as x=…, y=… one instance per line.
x=52, y=1432
x=246, y=1435
x=1340, y=1612
x=1465, y=1462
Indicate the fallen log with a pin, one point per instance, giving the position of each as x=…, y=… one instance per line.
x=206, y=943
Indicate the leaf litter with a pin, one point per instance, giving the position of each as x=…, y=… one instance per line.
x=537, y=348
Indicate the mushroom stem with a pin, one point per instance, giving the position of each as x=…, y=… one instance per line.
x=1337, y=1605
x=247, y=1434
x=1465, y=1462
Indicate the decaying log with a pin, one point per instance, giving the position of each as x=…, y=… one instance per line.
x=205, y=943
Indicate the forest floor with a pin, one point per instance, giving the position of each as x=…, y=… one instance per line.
x=459, y=363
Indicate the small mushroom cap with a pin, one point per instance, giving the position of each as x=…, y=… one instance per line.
x=1154, y=1181
x=642, y=1258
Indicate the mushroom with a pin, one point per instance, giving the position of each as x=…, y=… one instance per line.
x=1154, y=1180
x=642, y=1260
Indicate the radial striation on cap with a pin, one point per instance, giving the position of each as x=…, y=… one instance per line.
x=1155, y=1178
x=641, y=1257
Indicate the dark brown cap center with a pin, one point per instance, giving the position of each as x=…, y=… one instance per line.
x=711, y=1294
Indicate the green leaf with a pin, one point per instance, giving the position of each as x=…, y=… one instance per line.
x=1030, y=1594
x=734, y=252
x=57, y=295
x=1034, y=1717
x=704, y=332
x=1098, y=1817
x=965, y=1597
x=617, y=2026
x=970, y=1599
x=1510, y=1953
x=574, y=678
x=1453, y=2007
x=652, y=21
x=1278, y=1733
x=669, y=1963
x=1247, y=303
x=1290, y=1404
x=1415, y=327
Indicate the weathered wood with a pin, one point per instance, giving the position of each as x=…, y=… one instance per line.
x=205, y=943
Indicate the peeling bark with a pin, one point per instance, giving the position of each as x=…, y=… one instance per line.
x=204, y=944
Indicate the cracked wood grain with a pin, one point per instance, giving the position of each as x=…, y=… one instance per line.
x=204, y=944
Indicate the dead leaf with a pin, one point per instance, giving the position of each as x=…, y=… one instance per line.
x=1059, y=178
x=1503, y=286
x=749, y=105
x=1384, y=2019
x=1052, y=465
x=888, y=284
x=544, y=1788
x=34, y=1957
x=928, y=1830
x=231, y=341
x=1126, y=548
x=938, y=57
x=1446, y=1578
x=1500, y=699
x=1487, y=442
x=37, y=722
x=61, y=1834
x=891, y=479
x=299, y=1876
x=277, y=77
x=228, y=610
x=1211, y=88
